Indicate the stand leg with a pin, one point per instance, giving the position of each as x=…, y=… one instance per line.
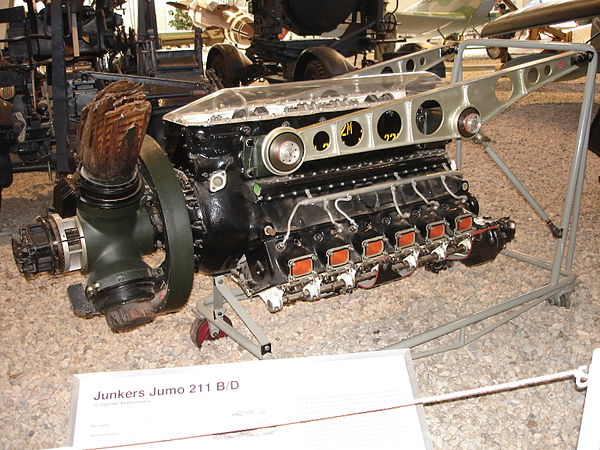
x=212, y=309
x=556, y=232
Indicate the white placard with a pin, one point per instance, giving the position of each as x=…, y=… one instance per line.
x=295, y=403
x=589, y=433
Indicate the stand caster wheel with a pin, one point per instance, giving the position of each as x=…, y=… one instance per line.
x=200, y=331
x=563, y=301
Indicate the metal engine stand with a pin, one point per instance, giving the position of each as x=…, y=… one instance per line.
x=561, y=279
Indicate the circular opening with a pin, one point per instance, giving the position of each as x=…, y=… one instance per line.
x=387, y=69
x=504, y=89
x=533, y=75
x=351, y=133
x=429, y=117
x=547, y=69
x=422, y=61
x=321, y=141
x=410, y=65
x=389, y=125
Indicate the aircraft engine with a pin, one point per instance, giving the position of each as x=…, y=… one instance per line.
x=255, y=187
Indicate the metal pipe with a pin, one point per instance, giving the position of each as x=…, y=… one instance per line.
x=583, y=134
x=530, y=260
x=571, y=206
x=512, y=177
x=510, y=43
x=464, y=340
x=157, y=81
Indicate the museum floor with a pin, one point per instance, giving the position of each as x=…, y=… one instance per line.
x=44, y=344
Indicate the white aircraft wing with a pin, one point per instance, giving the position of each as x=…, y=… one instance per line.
x=543, y=14
x=421, y=23
x=464, y=15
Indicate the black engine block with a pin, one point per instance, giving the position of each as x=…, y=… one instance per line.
x=328, y=224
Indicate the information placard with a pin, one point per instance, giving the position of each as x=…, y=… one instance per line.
x=341, y=401
x=589, y=433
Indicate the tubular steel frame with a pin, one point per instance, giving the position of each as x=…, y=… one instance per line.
x=561, y=281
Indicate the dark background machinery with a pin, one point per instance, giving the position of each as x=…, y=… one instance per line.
x=55, y=62
x=37, y=70
x=360, y=23
x=39, y=86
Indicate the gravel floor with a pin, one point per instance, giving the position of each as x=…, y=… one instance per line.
x=44, y=344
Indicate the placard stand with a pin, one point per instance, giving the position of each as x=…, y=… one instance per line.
x=352, y=401
x=589, y=432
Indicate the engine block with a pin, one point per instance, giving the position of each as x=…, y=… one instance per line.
x=292, y=220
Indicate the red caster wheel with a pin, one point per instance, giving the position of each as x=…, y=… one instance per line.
x=200, y=331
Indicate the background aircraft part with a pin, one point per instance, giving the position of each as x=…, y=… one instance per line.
x=276, y=59
x=320, y=62
x=358, y=27
x=210, y=15
x=228, y=64
x=540, y=15
x=313, y=17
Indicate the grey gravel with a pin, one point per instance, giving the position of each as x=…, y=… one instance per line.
x=44, y=344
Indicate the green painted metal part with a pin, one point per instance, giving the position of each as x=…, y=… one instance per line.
x=115, y=241
x=178, y=266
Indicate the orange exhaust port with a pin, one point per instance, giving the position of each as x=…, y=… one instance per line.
x=436, y=231
x=405, y=238
x=301, y=266
x=373, y=247
x=338, y=257
x=464, y=223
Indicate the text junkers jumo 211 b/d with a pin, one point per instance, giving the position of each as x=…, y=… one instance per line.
x=295, y=191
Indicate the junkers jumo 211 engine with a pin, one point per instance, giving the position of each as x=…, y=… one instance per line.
x=297, y=191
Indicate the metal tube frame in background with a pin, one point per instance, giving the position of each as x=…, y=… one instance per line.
x=562, y=279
